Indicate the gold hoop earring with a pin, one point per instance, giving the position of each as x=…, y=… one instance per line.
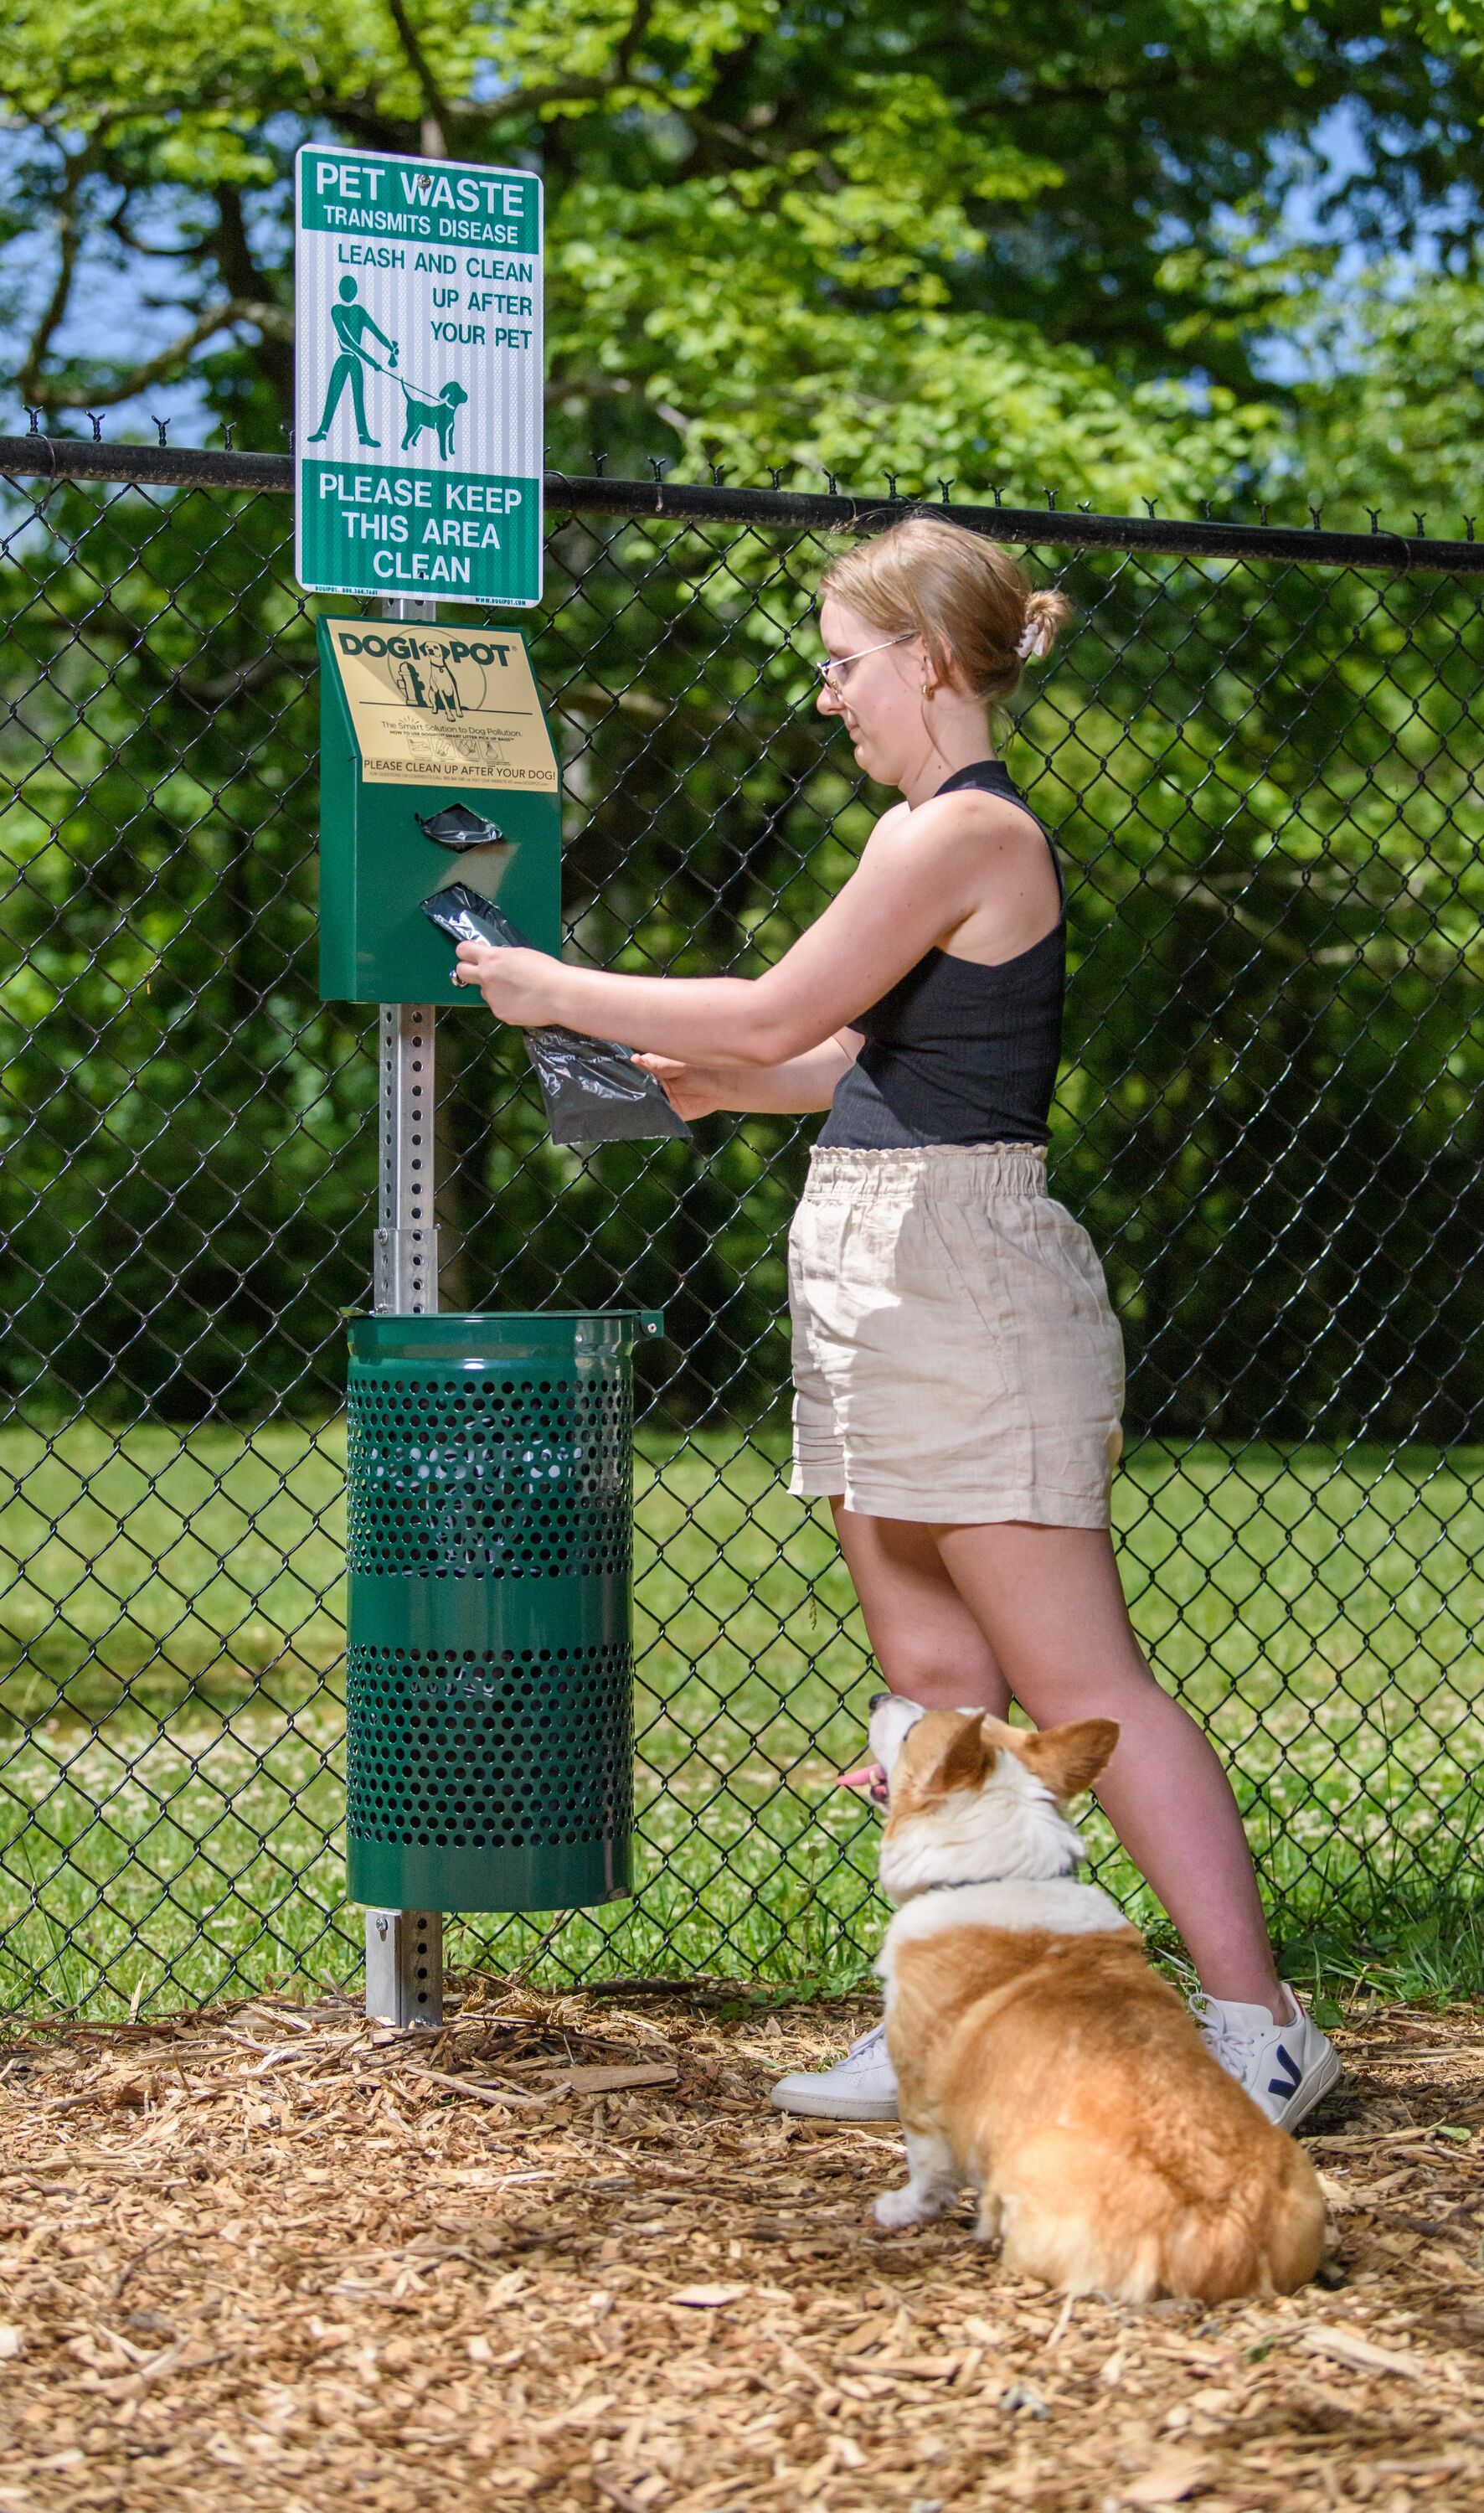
x=926, y=692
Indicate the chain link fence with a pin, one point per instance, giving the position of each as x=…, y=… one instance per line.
x=1260, y=751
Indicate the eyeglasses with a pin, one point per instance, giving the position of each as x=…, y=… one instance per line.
x=832, y=672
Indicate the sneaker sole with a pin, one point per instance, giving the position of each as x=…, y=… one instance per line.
x=840, y=2107
x=1323, y=2081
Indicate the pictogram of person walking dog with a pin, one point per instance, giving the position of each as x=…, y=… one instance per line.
x=354, y=326
x=428, y=682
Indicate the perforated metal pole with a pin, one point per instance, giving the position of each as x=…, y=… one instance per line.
x=404, y=1967
x=405, y=1281
x=404, y=1949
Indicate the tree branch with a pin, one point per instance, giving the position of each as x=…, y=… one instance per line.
x=247, y=282
x=435, y=104
x=152, y=371
x=595, y=386
x=637, y=29
x=70, y=234
x=523, y=100
x=117, y=224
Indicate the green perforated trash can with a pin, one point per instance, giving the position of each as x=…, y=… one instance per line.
x=489, y=1714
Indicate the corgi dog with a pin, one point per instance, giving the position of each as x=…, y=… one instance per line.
x=1040, y=2058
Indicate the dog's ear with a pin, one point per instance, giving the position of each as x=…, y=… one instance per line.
x=1069, y=1758
x=968, y=1760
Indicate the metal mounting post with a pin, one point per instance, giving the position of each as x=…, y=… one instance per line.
x=404, y=1967
x=405, y=1281
x=404, y=1949
x=406, y=1233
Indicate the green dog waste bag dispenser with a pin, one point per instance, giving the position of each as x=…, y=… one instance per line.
x=490, y=1667
x=436, y=766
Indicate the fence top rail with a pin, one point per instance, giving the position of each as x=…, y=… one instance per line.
x=168, y=466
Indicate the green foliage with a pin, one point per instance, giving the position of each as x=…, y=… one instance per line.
x=1264, y=782
x=995, y=247
x=174, y=1096
x=1273, y=1099
x=1396, y=425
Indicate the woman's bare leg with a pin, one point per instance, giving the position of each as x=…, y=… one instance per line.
x=971, y=1615
x=1050, y=1602
x=928, y=1642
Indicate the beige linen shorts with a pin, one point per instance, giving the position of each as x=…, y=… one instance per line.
x=956, y=1359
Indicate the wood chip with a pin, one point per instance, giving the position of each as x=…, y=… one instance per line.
x=911, y=2368
x=311, y=2262
x=611, y=2081
x=1169, y=2479
x=1441, y=2464
x=1347, y=2347
x=505, y=2094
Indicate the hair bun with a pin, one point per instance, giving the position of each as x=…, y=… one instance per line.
x=1044, y=613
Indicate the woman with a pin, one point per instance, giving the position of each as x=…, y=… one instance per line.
x=958, y=1369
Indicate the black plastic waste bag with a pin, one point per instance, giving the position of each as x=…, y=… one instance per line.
x=459, y=827
x=594, y=1091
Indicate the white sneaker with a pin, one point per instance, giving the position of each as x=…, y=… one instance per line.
x=862, y=2086
x=1286, y=2068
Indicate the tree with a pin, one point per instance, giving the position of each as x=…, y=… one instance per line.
x=843, y=239
x=981, y=244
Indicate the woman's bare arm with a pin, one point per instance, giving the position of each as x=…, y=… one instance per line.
x=794, y=1089
x=921, y=876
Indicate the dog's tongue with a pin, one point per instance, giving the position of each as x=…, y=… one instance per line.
x=868, y=1779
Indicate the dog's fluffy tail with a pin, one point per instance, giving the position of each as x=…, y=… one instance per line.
x=1132, y=2235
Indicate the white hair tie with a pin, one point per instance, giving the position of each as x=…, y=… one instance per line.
x=1032, y=639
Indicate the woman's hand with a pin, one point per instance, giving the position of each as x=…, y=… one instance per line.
x=519, y=986
x=692, y=1090
x=789, y=1089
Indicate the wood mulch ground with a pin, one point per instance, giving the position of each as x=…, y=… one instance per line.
x=562, y=2253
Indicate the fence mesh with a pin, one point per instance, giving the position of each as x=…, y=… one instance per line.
x=1263, y=775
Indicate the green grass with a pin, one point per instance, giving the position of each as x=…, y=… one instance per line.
x=171, y=1723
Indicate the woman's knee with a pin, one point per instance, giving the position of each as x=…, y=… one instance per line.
x=942, y=1678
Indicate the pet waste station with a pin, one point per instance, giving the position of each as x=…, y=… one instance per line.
x=490, y=1457
x=489, y=1477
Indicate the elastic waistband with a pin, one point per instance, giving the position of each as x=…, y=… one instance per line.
x=959, y=1172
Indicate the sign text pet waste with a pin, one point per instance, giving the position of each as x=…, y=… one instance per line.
x=418, y=439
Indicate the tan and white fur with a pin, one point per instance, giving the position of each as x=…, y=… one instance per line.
x=1040, y=2058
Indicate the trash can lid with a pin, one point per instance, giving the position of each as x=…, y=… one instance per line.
x=477, y=1340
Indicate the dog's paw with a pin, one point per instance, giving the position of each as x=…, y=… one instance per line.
x=906, y=2206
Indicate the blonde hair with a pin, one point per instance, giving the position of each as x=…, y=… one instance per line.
x=964, y=595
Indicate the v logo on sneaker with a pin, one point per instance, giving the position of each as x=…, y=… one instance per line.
x=1288, y=2082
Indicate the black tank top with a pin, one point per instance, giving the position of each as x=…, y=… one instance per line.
x=958, y=1052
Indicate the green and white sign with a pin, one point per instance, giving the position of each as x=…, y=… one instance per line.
x=418, y=437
